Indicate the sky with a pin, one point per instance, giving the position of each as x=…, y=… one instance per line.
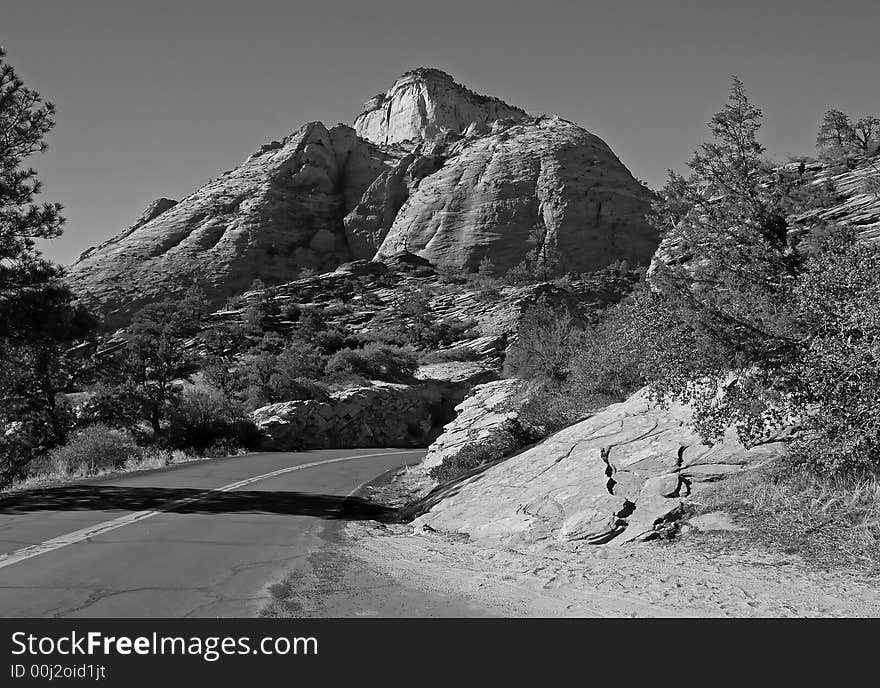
x=155, y=98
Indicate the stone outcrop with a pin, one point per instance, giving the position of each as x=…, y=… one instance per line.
x=279, y=211
x=858, y=195
x=852, y=191
x=425, y=103
x=381, y=415
x=619, y=476
x=483, y=414
x=496, y=191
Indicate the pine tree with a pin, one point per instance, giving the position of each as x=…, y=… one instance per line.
x=39, y=323
x=25, y=120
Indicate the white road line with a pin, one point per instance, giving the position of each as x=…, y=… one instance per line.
x=105, y=527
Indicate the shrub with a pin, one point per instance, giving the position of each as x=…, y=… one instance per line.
x=300, y=359
x=286, y=388
x=311, y=321
x=542, y=344
x=606, y=360
x=458, y=353
x=291, y=310
x=503, y=441
x=375, y=361
x=91, y=450
x=333, y=339
x=838, y=372
x=205, y=416
x=218, y=373
x=547, y=407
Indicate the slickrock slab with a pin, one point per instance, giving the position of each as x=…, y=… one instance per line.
x=612, y=478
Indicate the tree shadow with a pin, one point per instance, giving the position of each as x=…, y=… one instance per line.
x=194, y=501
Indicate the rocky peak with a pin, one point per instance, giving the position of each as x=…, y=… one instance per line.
x=425, y=103
x=277, y=212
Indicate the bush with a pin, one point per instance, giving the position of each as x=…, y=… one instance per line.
x=475, y=453
x=300, y=359
x=459, y=353
x=838, y=372
x=91, y=450
x=606, y=360
x=542, y=346
x=334, y=339
x=204, y=416
x=287, y=388
x=547, y=407
x=374, y=362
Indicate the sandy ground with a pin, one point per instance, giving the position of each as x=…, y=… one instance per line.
x=686, y=578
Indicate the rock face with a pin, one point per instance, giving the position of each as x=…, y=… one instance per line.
x=855, y=201
x=480, y=416
x=281, y=210
x=494, y=192
x=858, y=196
x=382, y=415
x=425, y=103
x=616, y=477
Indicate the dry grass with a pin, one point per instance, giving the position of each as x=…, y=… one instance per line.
x=150, y=460
x=830, y=522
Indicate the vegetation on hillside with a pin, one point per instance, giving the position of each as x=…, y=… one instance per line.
x=753, y=320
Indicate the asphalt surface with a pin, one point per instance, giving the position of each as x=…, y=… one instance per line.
x=202, y=539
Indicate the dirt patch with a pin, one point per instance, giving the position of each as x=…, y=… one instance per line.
x=392, y=569
x=751, y=570
x=682, y=579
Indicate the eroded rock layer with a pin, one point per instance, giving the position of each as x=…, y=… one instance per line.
x=499, y=190
x=425, y=103
x=279, y=211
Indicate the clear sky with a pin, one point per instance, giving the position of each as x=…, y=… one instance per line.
x=156, y=97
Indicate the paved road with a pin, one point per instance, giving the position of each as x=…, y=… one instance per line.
x=200, y=539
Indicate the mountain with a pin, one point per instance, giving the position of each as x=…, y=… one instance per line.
x=279, y=211
x=430, y=168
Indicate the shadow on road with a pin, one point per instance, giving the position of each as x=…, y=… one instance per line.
x=193, y=501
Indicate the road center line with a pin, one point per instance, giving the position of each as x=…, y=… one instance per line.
x=100, y=528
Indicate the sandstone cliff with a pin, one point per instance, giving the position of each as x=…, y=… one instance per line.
x=280, y=210
x=497, y=189
x=425, y=103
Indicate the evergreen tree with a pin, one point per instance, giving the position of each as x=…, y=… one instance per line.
x=156, y=355
x=725, y=306
x=25, y=120
x=39, y=323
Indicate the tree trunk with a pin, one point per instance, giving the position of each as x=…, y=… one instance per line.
x=154, y=421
